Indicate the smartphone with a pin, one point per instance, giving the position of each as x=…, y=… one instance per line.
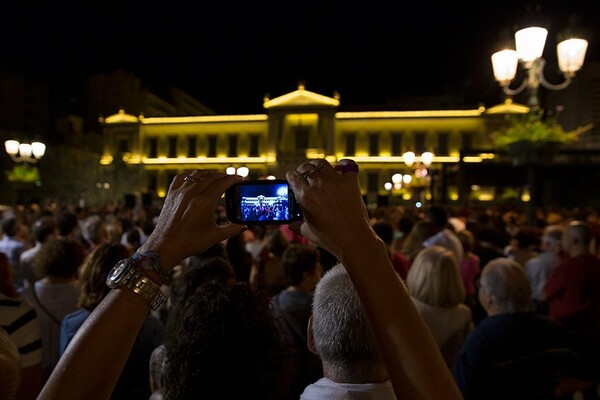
x=262, y=202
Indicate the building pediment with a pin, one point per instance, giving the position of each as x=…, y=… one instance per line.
x=121, y=118
x=301, y=98
x=508, y=107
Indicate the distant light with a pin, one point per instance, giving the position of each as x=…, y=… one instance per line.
x=418, y=204
x=230, y=171
x=243, y=171
x=388, y=186
x=409, y=158
x=38, y=149
x=282, y=191
x=25, y=149
x=12, y=147
x=427, y=158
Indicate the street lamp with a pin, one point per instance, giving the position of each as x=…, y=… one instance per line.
x=241, y=171
x=426, y=158
x=529, y=48
x=25, y=152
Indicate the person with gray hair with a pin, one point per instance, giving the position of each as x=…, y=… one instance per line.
x=573, y=288
x=93, y=230
x=339, y=332
x=516, y=353
x=539, y=268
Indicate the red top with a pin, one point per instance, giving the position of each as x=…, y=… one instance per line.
x=469, y=271
x=573, y=292
x=400, y=263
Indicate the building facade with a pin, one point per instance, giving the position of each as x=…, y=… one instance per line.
x=301, y=125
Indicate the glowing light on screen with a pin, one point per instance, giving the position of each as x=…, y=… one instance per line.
x=282, y=191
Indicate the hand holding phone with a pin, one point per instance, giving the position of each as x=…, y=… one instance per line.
x=262, y=202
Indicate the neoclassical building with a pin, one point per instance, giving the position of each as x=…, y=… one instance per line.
x=303, y=124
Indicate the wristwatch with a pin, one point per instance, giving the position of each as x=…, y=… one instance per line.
x=125, y=273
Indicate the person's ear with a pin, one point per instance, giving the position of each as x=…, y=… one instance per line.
x=310, y=339
x=484, y=299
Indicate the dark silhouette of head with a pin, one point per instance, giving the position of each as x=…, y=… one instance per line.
x=9, y=226
x=44, y=228
x=437, y=216
x=222, y=343
x=385, y=231
x=298, y=259
x=58, y=258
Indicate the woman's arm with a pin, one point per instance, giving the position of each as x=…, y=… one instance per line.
x=92, y=363
x=336, y=219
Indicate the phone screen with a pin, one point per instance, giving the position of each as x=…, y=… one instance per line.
x=262, y=202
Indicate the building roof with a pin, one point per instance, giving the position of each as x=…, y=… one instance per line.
x=120, y=118
x=508, y=107
x=301, y=98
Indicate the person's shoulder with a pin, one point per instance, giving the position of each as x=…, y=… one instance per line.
x=434, y=239
x=29, y=254
x=78, y=313
x=399, y=256
x=592, y=259
x=464, y=309
x=421, y=305
x=18, y=301
x=76, y=317
x=533, y=262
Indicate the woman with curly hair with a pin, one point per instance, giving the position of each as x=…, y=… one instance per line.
x=222, y=343
x=133, y=382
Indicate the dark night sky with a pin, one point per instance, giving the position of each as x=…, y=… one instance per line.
x=228, y=54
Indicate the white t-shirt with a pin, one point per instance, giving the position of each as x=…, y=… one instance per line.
x=325, y=388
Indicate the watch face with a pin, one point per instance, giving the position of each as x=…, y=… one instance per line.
x=116, y=274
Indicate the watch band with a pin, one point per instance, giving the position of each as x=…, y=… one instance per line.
x=140, y=284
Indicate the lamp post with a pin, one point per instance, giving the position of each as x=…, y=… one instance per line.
x=418, y=167
x=529, y=48
x=25, y=152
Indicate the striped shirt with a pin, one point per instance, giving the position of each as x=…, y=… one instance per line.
x=20, y=321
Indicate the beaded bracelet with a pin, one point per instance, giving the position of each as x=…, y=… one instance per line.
x=150, y=261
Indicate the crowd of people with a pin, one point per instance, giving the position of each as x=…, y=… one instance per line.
x=352, y=302
x=265, y=212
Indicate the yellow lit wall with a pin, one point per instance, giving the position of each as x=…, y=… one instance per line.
x=292, y=123
x=202, y=130
x=277, y=129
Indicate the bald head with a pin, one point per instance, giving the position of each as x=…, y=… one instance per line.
x=576, y=238
x=505, y=286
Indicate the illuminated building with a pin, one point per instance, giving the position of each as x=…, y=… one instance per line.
x=296, y=126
